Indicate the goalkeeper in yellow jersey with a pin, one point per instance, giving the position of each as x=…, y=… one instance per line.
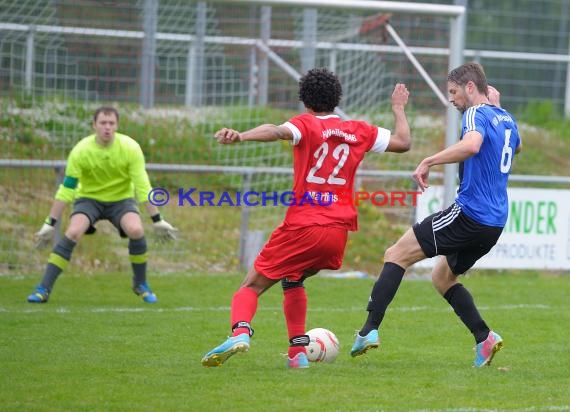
x=105, y=176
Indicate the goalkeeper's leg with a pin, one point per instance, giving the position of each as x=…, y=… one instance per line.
x=126, y=218
x=57, y=262
x=138, y=258
x=59, y=257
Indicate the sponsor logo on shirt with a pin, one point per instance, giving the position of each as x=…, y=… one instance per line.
x=502, y=118
x=348, y=137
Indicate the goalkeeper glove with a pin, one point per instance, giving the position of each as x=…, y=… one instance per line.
x=45, y=235
x=163, y=230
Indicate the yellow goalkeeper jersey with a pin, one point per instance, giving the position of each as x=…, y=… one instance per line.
x=107, y=174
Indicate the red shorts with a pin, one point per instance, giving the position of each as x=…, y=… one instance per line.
x=293, y=253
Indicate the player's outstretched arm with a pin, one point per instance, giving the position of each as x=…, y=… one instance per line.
x=263, y=133
x=458, y=152
x=400, y=140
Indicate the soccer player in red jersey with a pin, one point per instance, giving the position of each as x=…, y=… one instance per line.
x=327, y=152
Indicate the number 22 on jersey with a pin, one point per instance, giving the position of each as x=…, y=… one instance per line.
x=339, y=154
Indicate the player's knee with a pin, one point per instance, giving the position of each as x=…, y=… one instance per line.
x=74, y=233
x=438, y=284
x=391, y=254
x=443, y=280
x=290, y=284
x=134, y=231
x=402, y=256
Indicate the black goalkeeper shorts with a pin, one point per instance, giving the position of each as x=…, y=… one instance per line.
x=111, y=211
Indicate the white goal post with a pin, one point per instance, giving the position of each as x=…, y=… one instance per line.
x=456, y=14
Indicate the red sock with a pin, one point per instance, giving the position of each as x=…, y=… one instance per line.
x=295, y=309
x=244, y=306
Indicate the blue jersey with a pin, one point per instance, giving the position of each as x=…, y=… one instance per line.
x=482, y=193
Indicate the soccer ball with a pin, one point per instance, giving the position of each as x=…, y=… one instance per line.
x=323, y=345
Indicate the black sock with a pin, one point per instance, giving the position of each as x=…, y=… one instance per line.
x=463, y=305
x=138, y=258
x=382, y=294
x=57, y=261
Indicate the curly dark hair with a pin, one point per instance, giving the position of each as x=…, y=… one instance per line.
x=320, y=90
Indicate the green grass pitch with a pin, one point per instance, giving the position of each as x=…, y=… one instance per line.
x=96, y=347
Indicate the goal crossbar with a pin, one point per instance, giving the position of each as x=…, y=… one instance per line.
x=388, y=6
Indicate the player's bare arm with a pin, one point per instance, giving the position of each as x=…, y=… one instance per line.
x=401, y=140
x=465, y=148
x=263, y=133
x=151, y=209
x=57, y=208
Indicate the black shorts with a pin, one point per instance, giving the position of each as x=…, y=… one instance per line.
x=453, y=234
x=111, y=211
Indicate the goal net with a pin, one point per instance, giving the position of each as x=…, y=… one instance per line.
x=216, y=64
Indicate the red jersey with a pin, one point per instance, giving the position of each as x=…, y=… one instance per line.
x=327, y=152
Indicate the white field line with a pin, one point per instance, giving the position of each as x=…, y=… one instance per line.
x=542, y=408
x=36, y=308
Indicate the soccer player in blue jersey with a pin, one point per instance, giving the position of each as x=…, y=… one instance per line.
x=467, y=229
x=105, y=176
